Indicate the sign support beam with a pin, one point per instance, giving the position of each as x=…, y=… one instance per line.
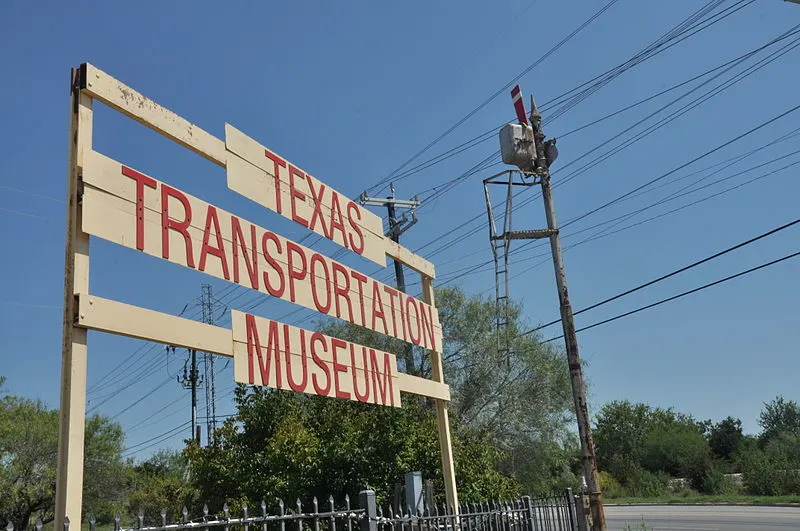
x=69, y=483
x=442, y=415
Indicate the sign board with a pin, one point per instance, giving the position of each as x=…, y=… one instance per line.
x=283, y=356
x=113, y=201
x=271, y=181
x=127, y=207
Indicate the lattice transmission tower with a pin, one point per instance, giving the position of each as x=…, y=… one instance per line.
x=207, y=305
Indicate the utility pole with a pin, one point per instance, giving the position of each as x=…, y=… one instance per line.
x=524, y=146
x=191, y=379
x=546, y=153
x=396, y=226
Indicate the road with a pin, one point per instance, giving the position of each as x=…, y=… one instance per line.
x=703, y=518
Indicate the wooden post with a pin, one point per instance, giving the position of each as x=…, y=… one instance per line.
x=72, y=413
x=442, y=416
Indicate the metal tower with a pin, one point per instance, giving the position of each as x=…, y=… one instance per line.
x=207, y=304
x=500, y=240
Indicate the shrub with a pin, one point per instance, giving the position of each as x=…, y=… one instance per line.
x=766, y=475
x=712, y=480
x=644, y=484
x=610, y=487
x=679, y=451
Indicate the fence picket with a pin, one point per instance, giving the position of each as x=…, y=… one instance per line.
x=552, y=512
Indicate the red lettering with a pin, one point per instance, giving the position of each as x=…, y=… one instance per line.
x=413, y=304
x=294, y=194
x=301, y=387
x=400, y=306
x=382, y=385
x=238, y=243
x=338, y=367
x=342, y=290
x=298, y=274
x=273, y=348
x=219, y=250
x=275, y=292
x=362, y=397
x=322, y=391
x=168, y=223
x=361, y=279
x=351, y=209
x=427, y=326
x=278, y=163
x=377, y=308
x=316, y=258
x=392, y=294
x=317, y=214
x=142, y=180
x=337, y=221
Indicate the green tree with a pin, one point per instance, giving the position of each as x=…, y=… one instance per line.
x=620, y=436
x=523, y=403
x=634, y=438
x=779, y=416
x=678, y=450
x=505, y=416
x=160, y=482
x=288, y=445
x=29, y=450
x=768, y=472
x=725, y=438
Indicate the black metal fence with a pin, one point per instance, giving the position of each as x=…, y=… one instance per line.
x=555, y=512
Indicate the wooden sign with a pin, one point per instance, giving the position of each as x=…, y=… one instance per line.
x=110, y=200
x=125, y=206
x=263, y=176
x=282, y=356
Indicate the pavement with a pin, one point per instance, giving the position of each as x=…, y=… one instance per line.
x=702, y=518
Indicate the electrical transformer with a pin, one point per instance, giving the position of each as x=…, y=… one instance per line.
x=517, y=146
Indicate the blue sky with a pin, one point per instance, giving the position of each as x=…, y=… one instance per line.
x=351, y=90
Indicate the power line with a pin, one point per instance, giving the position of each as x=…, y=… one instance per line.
x=683, y=294
x=483, y=265
x=162, y=437
x=142, y=398
x=674, y=115
x=457, y=240
x=674, y=273
x=676, y=32
x=649, y=52
x=488, y=100
x=684, y=165
x=683, y=30
x=27, y=305
x=32, y=194
x=25, y=214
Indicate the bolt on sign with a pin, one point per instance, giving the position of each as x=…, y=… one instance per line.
x=111, y=200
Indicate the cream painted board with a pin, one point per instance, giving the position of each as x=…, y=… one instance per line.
x=254, y=183
x=124, y=99
x=421, y=386
x=414, y=261
x=261, y=187
x=96, y=313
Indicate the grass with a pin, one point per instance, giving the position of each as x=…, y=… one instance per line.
x=700, y=499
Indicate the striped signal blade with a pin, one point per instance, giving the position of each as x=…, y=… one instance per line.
x=519, y=105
